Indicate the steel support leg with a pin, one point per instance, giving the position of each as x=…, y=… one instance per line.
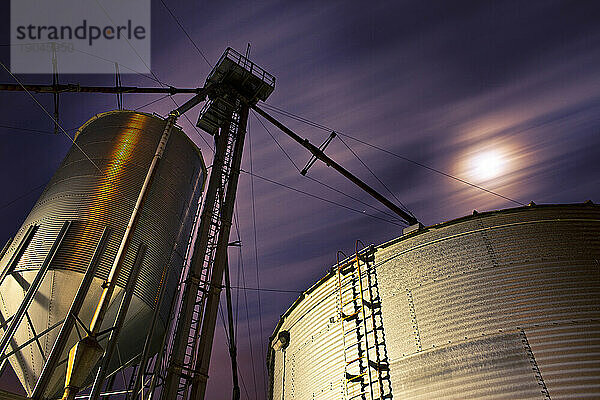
x=18, y=252
x=146, y=350
x=161, y=293
x=192, y=282
x=33, y=288
x=232, y=346
x=212, y=303
x=6, y=247
x=61, y=340
x=120, y=319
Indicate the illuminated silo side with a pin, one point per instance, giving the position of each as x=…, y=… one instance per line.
x=502, y=304
x=96, y=193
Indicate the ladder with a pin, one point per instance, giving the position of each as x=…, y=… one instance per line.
x=209, y=256
x=182, y=362
x=366, y=364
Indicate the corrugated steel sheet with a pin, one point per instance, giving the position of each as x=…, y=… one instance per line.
x=495, y=305
x=314, y=326
x=121, y=144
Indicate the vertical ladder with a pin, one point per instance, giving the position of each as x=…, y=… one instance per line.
x=181, y=362
x=209, y=257
x=366, y=365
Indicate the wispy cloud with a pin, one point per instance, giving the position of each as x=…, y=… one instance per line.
x=439, y=83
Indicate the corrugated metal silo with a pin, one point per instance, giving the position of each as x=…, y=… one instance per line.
x=121, y=144
x=501, y=304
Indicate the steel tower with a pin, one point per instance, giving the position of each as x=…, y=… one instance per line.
x=180, y=368
x=241, y=84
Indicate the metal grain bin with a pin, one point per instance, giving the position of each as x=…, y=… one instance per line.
x=95, y=194
x=497, y=305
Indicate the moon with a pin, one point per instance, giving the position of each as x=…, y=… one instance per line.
x=487, y=165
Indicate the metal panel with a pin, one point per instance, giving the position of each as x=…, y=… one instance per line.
x=494, y=305
x=314, y=362
x=121, y=144
x=489, y=367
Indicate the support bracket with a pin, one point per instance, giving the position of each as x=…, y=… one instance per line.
x=313, y=159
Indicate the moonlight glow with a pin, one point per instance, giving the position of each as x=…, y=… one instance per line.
x=487, y=165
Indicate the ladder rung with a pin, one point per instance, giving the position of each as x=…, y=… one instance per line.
x=353, y=378
x=372, y=305
x=352, y=345
x=355, y=360
x=346, y=280
x=379, y=366
x=351, y=316
x=352, y=300
x=351, y=330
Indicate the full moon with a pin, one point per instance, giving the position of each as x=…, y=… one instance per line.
x=487, y=165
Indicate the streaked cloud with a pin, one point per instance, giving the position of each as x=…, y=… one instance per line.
x=438, y=83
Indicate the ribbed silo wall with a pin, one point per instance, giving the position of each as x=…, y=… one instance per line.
x=497, y=305
x=94, y=193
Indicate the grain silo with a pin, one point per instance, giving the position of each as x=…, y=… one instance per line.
x=83, y=214
x=501, y=304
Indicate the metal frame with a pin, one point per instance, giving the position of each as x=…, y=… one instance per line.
x=187, y=366
x=19, y=251
x=119, y=320
x=35, y=338
x=33, y=288
x=181, y=363
x=237, y=83
x=70, y=320
x=220, y=263
x=243, y=62
x=232, y=344
x=6, y=246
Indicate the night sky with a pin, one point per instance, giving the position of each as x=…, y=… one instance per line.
x=505, y=95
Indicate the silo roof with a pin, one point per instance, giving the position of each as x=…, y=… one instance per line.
x=102, y=114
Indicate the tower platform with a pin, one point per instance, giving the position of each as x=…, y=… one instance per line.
x=238, y=72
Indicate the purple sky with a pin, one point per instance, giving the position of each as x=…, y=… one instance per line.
x=459, y=86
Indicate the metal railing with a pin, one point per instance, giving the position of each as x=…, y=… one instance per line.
x=246, y=64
